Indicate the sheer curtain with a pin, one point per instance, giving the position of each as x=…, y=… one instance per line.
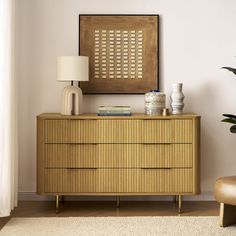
x=8, y=114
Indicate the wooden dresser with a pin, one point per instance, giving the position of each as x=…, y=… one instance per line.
x=122, y=155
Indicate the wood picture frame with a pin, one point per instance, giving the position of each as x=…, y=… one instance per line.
x=123, y=53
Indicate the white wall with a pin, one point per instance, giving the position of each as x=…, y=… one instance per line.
x=197, y=37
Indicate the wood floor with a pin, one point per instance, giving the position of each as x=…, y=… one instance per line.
x=47, y=209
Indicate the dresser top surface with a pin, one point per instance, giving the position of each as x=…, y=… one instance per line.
x=135, y=116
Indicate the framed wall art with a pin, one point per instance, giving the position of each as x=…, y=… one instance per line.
x=123, y=53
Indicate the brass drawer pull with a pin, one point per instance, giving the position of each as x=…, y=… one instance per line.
x=157, y=143
x=82, y=144
x=89, y=168
x=156, y=168
x=78, y=120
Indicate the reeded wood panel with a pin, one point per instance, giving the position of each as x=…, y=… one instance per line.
x=156, y=131
x=71, y=155
x=183, y=131
x=118, y=155
x=56, y=181
x=71, y=131
x=57, y=131
x=166, y=180
x=129, y=180
x=119, y=131
x=118, y=180
x=83, y=180
x=145, y=155
x=155, y=180
x=108, y=180
x=84, y=131
x=166, y=155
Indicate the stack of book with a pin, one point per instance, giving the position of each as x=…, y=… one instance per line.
x=114, y=111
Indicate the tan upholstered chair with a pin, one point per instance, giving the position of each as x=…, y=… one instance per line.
x=225, y=193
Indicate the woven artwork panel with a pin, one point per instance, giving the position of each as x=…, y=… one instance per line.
x=118, y=54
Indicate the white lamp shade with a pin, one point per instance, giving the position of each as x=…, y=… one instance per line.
x=73, y=68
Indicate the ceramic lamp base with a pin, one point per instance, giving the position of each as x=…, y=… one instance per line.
x=72, y=100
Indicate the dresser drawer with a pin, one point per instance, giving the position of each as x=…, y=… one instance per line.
x=145, y=155
x=145, y=131
x=118, y=131
x=92, y=155
x=71, y=155
x=155, y=181
x=81, y=180
x=71, y=180
x=71, y=131
x=118, y=155
x=166, y=180
x=141, y=131
x=144, y=180
x=166, y=155
x=166, y=131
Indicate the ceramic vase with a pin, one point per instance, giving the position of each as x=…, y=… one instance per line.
x=177, y=98
x=155, y=101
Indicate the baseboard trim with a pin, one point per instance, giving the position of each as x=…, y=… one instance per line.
x=32, y=196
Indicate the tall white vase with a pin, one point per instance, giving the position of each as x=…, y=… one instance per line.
x=177, y=98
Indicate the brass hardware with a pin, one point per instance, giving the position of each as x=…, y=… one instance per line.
x=156, y=168
x=78, y=144
x=180, y=204
x=166, y=112
x=79, y=168
x=156, y=143
x=57, y=203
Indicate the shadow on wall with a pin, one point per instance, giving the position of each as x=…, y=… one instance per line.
x=203, y=101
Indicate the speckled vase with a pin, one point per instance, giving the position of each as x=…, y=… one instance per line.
x=177, y=98
x=155, y=101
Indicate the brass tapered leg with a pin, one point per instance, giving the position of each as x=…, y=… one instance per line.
x=117, y=201
x=180, y=204
x=57, y=203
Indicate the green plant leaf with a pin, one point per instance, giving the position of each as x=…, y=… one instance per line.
x=230, y=69
x=233, y=129
x=229, y=120
x=230, y=116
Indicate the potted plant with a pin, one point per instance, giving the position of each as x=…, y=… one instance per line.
x=230, y=118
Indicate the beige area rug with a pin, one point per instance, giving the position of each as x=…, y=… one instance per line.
x=122, y=226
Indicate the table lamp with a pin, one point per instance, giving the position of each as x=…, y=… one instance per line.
x=72, y=68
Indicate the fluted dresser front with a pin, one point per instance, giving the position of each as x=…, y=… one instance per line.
x=118, y=155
